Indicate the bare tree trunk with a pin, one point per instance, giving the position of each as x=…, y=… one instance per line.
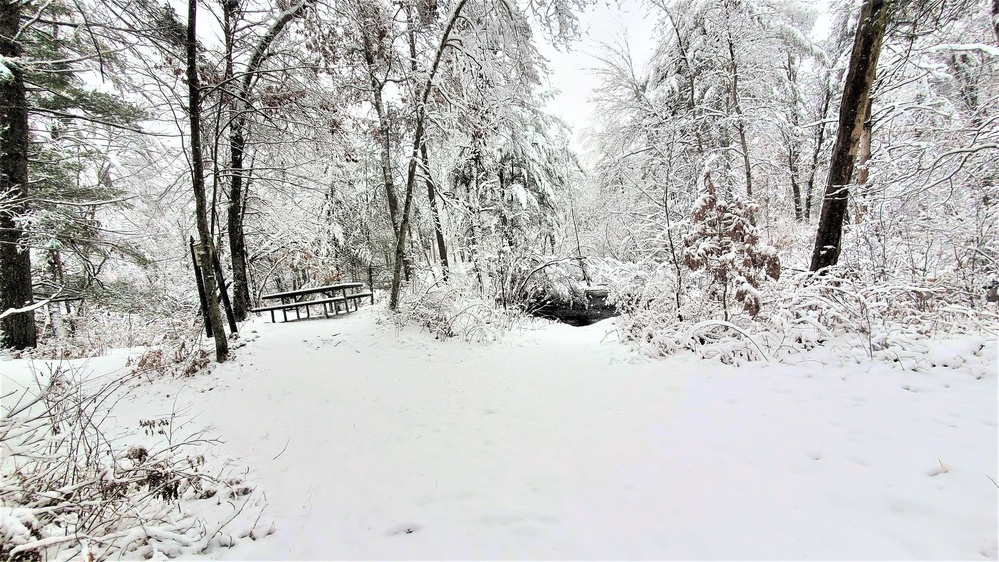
x=816, y=152
x=237, y=145
x=995, y=19
x=863, y=173
x=740, y=123
x=239, y=182
x=18, y=330
x=385, y=149
x=425, y=161
x=198, y=181
x=793, y=153
x=853, y=106
x=421, y=109
x=434, y=212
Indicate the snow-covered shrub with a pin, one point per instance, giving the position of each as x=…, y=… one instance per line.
x=455, y=310
x=69, y=488
x=852, y=318
x=839, y=316
x=90, y=331
x=535, y=280
x=722, y=241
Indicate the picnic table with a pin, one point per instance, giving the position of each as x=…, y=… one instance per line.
x=331, y=297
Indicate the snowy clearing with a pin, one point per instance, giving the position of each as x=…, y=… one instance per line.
x=560, y=443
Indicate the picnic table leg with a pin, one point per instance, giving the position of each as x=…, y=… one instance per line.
x=273, y=321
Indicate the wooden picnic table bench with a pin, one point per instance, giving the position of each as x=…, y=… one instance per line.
x=327, y=297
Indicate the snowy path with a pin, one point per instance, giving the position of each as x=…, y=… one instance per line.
x=551, y=444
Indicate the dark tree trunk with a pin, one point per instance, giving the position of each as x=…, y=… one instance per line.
x=198, y=182
x=237, y=239
x=237, y=145
x=820, y=141
x=793, y=154
x=863, y=172
x=856, y=96
x=434, y=212
x=239, y=183
x=995, y=19
x=384, y=139
x=18, y=330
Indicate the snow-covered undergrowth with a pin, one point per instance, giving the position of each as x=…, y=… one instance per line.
x=835, y=318
x=91, y=331
x=371, y=440
x=456, y=310
x=76, y=482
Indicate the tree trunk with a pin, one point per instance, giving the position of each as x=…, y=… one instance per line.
x=18, y=330
x=237, y=146
x=198, y=182
x=421, y=105
x=793, y=153
x=384, y=140
x=863, y=173
x=435, y=213
x=740, y=123
x=425, y=161
x=816, y=152
x=995, y=20
x=237, y=197
x=856, y=96
x=235, y=214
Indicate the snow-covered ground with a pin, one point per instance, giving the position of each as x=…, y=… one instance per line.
x=364, y=442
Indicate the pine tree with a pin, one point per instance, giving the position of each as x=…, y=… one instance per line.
x=18, y=330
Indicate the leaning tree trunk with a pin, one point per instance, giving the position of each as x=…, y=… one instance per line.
x=421, y=113
x=238, y=185
x=198, y=181
x=18, y=330
x=425, y=162
x=853, y=106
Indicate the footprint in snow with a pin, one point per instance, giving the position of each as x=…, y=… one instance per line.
x=403, y=529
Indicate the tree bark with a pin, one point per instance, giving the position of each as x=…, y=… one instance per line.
x=856, y=96
x=237, y=147
x=384, y=140
x=820, y=141
x=425, y=163
x=995, y=20
x=422, y=99
x=863, y=172
x=434, y=212
x=198, y=182
x=18, y=330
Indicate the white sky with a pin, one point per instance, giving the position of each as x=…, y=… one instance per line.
x=570, y=71
x=610, y=22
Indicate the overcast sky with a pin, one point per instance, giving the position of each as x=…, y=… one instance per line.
x=608, y=22
x=570, y=70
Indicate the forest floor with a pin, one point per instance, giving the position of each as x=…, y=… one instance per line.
x=368, y=442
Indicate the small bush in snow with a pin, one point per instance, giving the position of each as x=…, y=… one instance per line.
x=70, y=489
x=722, y=241
x=455, y=311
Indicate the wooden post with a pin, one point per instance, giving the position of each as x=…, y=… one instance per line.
x=196, y=260
x=225, y=297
